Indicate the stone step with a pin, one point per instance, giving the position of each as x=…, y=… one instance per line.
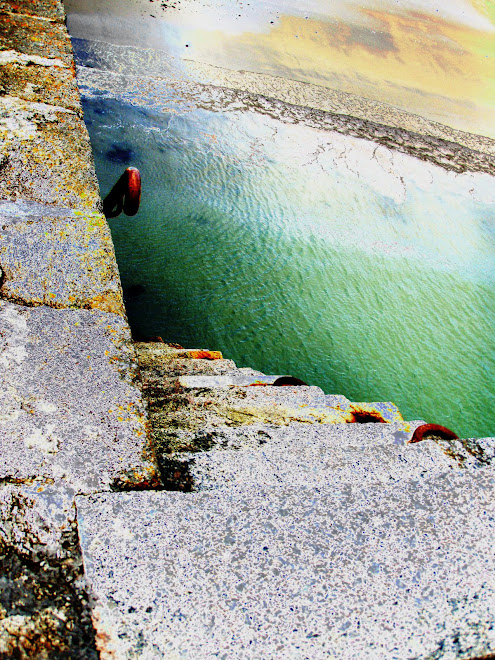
x=247, y=371
x=154, y=372
x=378, y=570
x=157, y=358
x=313, y=455
x=220, y=389
x=275, y=402
x=150, y=351
x=205, y=436
x=238, y=378
x=194, y=401
x=226, y=376
x=195, y=410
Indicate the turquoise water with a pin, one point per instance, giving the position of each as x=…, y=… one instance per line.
x=294, y=250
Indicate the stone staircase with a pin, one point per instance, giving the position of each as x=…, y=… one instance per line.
x=314, y=529
x=198, y=401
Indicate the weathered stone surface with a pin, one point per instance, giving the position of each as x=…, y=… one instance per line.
x=236, y=407
x=43, y=606
x=35, y=36
x=199, y=419
x=39, y=79
x=170, y=440
x=36, y=517
x=154, y=374
x=227, y=380
x=313, y=455
x=235, y=386
x=71, y=417
x=69, y=409
x=57, y=257
x=373, y=411
x=150, y=352
x=301, y=396
x=378, y=571
x=52, y=9
x=35, y=141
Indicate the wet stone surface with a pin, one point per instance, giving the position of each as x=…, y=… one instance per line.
x=358, y=570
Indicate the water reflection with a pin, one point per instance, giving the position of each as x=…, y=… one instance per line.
x=295, y=250
x=432, y=59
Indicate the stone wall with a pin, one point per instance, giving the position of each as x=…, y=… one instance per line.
x=72, y=420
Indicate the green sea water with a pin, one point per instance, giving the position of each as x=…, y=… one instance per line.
x=294, y=250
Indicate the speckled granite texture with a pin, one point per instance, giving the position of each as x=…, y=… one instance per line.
x=357, y=570
x=72, y=419
x=70, y=410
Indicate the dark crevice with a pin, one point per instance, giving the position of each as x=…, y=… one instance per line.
x=176, y=474
x=46, y=592
x=366, y=418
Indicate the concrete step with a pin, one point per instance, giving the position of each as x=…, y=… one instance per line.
x=168, y=360
x=313, y=455
x=156, y=371
x=169, y=439
x=161, y=361
x=150, y=351
x=345, y=570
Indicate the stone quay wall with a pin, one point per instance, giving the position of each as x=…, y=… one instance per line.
x=72, y=418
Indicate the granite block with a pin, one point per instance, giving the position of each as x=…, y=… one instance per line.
x=170, y=440
x=69, y=407
x=35, y=36
x=45, y=156
x=39, y=79
x=312, y=455
x=57, y=257
x=377, y=571
x=50, y=9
